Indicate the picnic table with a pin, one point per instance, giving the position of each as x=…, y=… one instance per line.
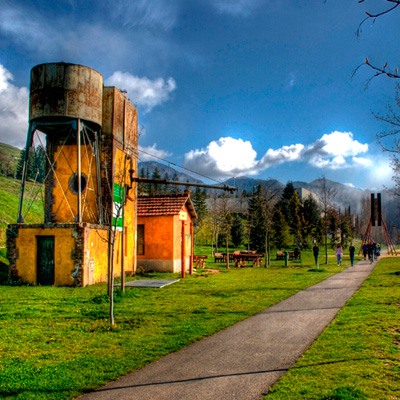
x=242, y=258
x=219, y=257
x=200, y=261
x=280, y=255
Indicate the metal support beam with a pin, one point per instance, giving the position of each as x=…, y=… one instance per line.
x=29, y=141
x=98, y=173
x=78, y=144
x=165, y=182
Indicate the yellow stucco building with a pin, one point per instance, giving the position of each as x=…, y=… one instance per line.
x=91, y=147
x=165, y=232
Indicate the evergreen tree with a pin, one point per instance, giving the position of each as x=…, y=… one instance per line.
x=40, y=164
x=187, y=187
x=142, y=187
x=345, y=227
x=296, y=220
x=256, y=221
x=288, y=191
x=167, y=187
x=283, y=203
x=333, y=224
x=280, y=231
x=319, y=231
x=237, y=230
x=312, y=217
x=31, y=172
x=156, y=188
x=149, y=186
x=199, y=203
x=175, y=189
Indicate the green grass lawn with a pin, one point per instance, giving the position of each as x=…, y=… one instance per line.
x=33, y=210
x=56, y=343
x=358, y=354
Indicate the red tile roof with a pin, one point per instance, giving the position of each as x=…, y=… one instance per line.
x=164, y=204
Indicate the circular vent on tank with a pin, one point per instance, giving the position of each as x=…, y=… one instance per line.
x=74, y=184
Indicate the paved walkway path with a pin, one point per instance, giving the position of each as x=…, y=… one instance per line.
x=243, y=361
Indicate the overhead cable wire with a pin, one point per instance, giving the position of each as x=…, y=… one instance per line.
x=176, y=165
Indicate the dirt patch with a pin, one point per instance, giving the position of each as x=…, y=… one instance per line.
x=212, y=271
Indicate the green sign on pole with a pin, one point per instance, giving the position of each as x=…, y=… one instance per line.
x=118, y=206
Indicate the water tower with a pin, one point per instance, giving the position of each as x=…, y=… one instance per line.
x=91, y=150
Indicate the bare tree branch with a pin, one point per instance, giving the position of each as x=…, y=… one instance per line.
x=384, y=70
x=377, y=15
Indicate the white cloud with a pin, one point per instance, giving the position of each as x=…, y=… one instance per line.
x=243, y=8
x=332, y=150
x=284, y=154
x=292, y=79
x=143, y=91
x=365, y=162
x=380, y=173
x=342, y=143
x=70, y=40
x=14, y=108
x=149, y=13
x=229, y=157
x=146, y=153
x=223, y=158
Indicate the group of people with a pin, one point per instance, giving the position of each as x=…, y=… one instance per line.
x=371, y=249
x=339, y=254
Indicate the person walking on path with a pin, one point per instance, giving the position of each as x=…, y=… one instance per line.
x=371, y=251
x=352, y=251
x=316, y=252
x=377, y=252
x=339, y=254
x=365, y=250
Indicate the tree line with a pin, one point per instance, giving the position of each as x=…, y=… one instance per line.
x=36, y=165
x=272, y=219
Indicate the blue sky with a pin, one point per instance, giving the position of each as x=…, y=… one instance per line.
x=261, y=88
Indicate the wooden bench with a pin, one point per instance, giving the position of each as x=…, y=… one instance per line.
x=200, y=261
x=219, y=257
x=293, y=257
x=280, y=255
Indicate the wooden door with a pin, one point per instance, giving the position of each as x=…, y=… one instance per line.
x=45, y=260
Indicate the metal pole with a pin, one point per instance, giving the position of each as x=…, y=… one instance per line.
x=29, y=141
x=192, y=252
x=183, y=251
x=99, y=196
x=78, y=143
x=165, y=182
x=123, y=234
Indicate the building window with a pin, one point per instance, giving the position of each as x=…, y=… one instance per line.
x=73, y=183
x=140, y=240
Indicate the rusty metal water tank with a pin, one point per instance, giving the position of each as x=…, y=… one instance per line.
x=60, y=91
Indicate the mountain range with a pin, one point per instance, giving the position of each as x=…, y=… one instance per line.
x=346, y=196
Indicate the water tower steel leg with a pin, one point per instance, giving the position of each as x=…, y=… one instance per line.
x=78, y=144
x=29, y=141
x=100, y=201
x=366, y=238
x=388, y=239
x=183, y=251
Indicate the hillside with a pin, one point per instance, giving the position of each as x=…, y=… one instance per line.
x=150, y=166
x=9, y=156
x=247, y=184
x=9, y=199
